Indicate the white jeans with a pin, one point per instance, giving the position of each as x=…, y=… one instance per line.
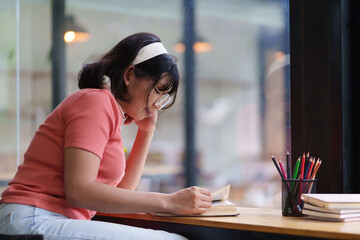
x=25, y=219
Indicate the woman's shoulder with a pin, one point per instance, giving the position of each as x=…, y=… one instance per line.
x=92, y=95
x=91, y=98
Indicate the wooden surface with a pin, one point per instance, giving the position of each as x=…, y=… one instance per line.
x=262, y=220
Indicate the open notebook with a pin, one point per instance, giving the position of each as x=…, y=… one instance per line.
x=219, y=207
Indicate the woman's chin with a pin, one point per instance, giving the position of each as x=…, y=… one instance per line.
x=138, y=117
x=128, y=120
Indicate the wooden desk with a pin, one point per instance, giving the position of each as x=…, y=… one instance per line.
x=252, y=223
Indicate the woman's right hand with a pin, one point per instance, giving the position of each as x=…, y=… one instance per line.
x=192, y=200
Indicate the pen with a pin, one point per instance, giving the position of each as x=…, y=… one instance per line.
x=288, y=166
x=307, y=167
x=301, y=175
x=286, y=208
x=286, y=185
x=292, y=183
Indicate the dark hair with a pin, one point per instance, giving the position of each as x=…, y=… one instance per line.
x=115, y=62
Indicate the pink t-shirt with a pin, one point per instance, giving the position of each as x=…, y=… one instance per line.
x=89, y=119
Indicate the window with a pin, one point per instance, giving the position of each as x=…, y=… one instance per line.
x=242, y=110
x=8, y=85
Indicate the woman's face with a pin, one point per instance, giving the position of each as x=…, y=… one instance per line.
x=142, y=104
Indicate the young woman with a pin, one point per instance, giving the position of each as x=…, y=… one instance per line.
x=75, y=164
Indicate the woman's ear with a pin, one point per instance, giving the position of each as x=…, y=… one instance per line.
x=127, y=75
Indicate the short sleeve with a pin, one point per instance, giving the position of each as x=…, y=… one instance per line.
x=89, y=122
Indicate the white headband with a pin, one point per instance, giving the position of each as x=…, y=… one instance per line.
x=149, y=51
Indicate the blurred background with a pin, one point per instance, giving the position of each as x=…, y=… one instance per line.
x=240, y=76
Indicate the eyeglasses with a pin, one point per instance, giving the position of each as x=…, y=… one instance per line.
x=164, y=100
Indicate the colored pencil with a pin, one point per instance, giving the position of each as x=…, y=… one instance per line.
x=310, y=169
x=282, y=169
x=316, y=169
x=301, y=174
x=295, y=173
x=313, y=175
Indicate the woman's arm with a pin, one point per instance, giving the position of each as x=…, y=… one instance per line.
x=136, y=160
x=137, y=157
x=82, y=190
